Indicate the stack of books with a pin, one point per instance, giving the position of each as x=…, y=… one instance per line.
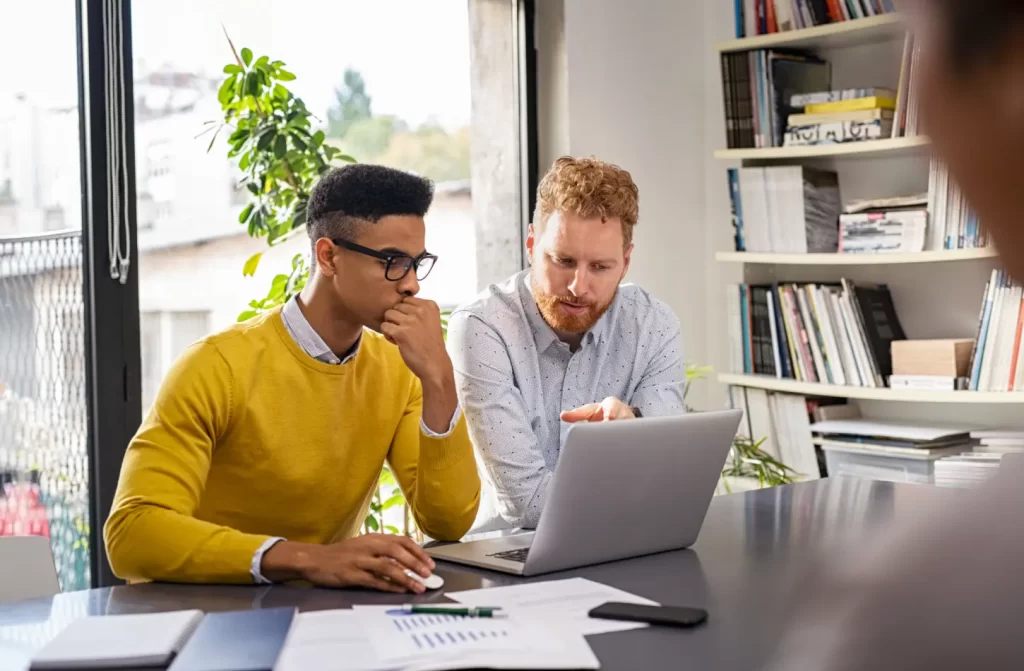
x=966, y=470
x=999, y=442
x=758, y=86
x=792, y=209
x=954, y=224
x=997, y=364
x=832, y=334
x=762, y=17
x=872, y=227
x=887, y=438
x=832, y=117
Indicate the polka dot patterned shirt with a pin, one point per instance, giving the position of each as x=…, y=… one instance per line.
x=515, y=377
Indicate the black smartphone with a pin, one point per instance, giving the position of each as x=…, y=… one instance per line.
x=673, y=616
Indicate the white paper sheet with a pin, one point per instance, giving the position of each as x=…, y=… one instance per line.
x=566, y=601
x=368, y=639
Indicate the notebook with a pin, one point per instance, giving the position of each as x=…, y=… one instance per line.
x=245, y=640
x=119, y=641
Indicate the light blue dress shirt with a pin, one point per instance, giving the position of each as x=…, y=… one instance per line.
x=515, y=377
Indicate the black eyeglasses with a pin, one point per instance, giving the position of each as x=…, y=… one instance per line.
x=398, y=264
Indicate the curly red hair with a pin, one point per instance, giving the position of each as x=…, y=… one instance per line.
x=588, y=188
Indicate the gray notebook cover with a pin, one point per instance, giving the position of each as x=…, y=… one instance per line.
x=249, y=640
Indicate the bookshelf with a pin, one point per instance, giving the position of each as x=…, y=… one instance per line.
x=831, y=36
x=937, y=294
x=891, y=148
x=868, y=393
x=768, y=259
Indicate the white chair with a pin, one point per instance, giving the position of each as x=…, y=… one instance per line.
x=26, y=568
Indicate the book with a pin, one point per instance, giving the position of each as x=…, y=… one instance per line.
x=757, y=87
x=855, y=105
x=787, y=209
x=863, y=115
x=763, y=17
x=821, y=97
x=837, y=133
x=954, y=225
x=244, y=640
x=996, y=364
x=928, y=382
x=896, y=231
x=119, y=641
x=883, y=204
x=819, y=333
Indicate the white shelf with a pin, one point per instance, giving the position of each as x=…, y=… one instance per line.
x=945, y=256
x=829, y=36
x=867, y=148
x=863, y=393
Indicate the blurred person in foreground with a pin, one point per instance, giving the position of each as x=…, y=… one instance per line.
x=944, y=589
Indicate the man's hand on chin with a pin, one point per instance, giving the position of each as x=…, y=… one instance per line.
x=608, y=410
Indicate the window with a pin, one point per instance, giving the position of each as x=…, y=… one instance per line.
x=44, y=473
x=393, y=92
x=165, y=335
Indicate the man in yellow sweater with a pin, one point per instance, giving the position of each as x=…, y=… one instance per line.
x=260, y=456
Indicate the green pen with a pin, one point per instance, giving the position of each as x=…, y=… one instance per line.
x=449, y=610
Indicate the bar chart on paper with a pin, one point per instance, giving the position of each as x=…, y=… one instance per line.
x=416, y=634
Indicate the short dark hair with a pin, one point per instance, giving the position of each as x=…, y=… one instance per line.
x=362, y=193
x=978, y=30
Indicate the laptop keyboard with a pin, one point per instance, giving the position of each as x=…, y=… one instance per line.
x=512, y=555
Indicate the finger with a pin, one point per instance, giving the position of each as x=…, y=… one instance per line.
x=415, y=302
x=396, y=316
x=391, y=332
x=385, y=568
x=368, y=579
x=581, y=414
x=407, y=308
x=415, y=550
x=405, y=558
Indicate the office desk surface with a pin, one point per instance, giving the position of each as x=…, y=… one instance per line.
x=747, y=561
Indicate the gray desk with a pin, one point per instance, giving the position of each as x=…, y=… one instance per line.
x=751, y=549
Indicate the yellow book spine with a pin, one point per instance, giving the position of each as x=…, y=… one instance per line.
x=857, y=105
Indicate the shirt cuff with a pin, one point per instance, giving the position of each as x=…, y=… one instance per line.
x=456, y=416
x=257, y=561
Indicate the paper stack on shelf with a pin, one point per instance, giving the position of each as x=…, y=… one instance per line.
x=893, y=231
x=999, y=442
x=967, y=470
x=887, y=438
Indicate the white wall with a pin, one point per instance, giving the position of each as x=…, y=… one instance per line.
x=635, y=97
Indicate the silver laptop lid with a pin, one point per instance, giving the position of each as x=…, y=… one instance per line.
x=629, y=488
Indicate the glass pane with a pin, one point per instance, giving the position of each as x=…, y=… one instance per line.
x=392, y=92
x=43, y=461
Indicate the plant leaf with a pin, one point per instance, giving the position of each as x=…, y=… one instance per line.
x=371, y=523
x=347, y=159
x=285, y=76
x=247, y=315
x=280, y=146
x=393, y=530
x=243, y=216
x=250, y=266
x=246, y=56
x=232, y=69
x=396, y=499
x=226, y=91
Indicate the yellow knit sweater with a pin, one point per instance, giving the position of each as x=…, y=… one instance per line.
x=251, y=438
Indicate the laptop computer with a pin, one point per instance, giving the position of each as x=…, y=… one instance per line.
x=620, y=489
